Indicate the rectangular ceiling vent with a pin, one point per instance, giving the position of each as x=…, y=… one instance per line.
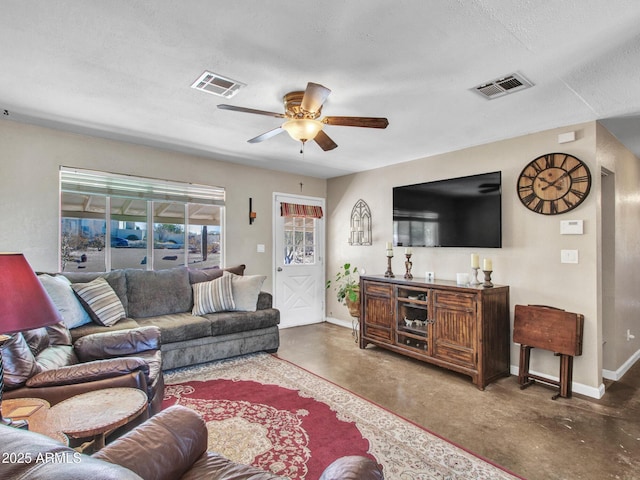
x=502, y=86
x=215, y=84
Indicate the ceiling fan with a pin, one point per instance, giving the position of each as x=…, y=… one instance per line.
x=302, y=111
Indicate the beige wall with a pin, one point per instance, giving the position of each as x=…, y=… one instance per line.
x=529, y=261
x=620, y=263
x=30, y=157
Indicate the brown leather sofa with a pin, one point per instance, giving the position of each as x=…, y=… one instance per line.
x=45, y=363
x=172, y=445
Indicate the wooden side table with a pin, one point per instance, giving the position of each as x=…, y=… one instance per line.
x=94, y=414
x=551, y=329
x=37, y=413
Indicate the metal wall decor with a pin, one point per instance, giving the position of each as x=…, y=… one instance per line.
x=360, y=233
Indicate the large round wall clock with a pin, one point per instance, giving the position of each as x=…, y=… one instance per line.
x=554, y=183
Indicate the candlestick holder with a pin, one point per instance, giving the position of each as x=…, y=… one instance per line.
x=487, y=279
x=407, y=266
x=389, y=273
x=475, y=280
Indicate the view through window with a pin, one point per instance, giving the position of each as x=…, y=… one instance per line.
x=299, y=241
x=111, y=221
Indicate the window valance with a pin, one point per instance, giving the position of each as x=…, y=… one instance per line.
x=299, y=210
x=75, y=180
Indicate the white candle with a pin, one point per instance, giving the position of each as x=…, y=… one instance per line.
x=407, y=251
x=389, y=246
x=390, y=252
x=475, y=260
x=487, y=264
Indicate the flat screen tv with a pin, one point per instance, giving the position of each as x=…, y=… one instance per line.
x=456, y=212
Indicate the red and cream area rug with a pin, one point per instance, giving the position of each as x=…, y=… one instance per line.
x=267, y=412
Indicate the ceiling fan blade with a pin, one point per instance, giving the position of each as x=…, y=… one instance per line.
x=369, y=122
x=266, y=135
x=250, y=110
x=314, y=97
x=324, y=141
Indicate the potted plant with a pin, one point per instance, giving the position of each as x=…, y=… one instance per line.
x=347, y=287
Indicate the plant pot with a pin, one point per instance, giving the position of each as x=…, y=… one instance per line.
x=354, y=305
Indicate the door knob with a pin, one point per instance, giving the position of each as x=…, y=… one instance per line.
x=279, y=269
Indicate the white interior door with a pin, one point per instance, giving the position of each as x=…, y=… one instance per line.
x=298, y=263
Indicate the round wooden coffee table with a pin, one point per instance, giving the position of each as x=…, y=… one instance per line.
x=94, y=414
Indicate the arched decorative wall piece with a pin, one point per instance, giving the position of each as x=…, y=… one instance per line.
x=360, y=233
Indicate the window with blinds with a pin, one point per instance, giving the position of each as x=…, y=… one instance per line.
x=111, y=221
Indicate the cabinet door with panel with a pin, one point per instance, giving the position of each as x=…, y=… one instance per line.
x=455, y=327
x=377, y=312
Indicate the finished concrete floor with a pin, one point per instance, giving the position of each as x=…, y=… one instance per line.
x=522, y=430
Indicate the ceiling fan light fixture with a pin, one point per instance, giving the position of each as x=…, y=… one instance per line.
x=302, y=129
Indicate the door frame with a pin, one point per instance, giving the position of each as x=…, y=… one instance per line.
x=323, y=236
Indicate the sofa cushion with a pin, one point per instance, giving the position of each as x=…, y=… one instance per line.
x=101, y=301
x=213, y=296
x=153, y=293
x=198, y=275
x=246, y=289
x=265, y=300
x=51, y=460
x=90, y=328
x=116, y=279
x=224, y=323
x=59, y=289
x=37, y=339
x=164, y=447
x=59, y=334
x=56, y=356
x=179, y=327
x=18, y=362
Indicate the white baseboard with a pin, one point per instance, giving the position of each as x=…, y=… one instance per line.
x=337, y=321
x=580, y=388
x=300, y=324
x=617, y=374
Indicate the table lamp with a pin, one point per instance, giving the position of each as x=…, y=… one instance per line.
x=24, y=304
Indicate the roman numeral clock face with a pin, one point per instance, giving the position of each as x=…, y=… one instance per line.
x=554, y=183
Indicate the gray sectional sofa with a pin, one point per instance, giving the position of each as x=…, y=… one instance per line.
x=164, y=298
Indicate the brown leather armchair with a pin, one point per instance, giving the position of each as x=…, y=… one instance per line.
x=44, y=363
x=170, y=446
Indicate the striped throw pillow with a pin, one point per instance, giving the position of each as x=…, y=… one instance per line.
x=101, y=301
x=213, y=296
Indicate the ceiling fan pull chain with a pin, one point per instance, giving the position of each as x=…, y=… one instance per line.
x=302, y=149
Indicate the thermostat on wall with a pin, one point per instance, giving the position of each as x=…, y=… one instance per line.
x=571, y=227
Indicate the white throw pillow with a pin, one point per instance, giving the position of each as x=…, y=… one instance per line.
x=60, y=291
x=246, y=289
x=104, y=305
x=213, y=296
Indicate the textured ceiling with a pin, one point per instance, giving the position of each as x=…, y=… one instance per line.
x=123, y=69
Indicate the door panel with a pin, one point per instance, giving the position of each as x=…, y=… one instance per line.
x=299, y=264
x=455, y=328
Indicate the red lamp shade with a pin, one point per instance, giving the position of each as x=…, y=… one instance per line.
x=24, y=303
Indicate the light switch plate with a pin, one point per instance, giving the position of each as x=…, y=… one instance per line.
x=260, y=248
x=568, y=256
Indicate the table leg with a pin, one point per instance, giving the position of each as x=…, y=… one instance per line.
x=98, y=444
x=566, y=375
x=523, y=371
